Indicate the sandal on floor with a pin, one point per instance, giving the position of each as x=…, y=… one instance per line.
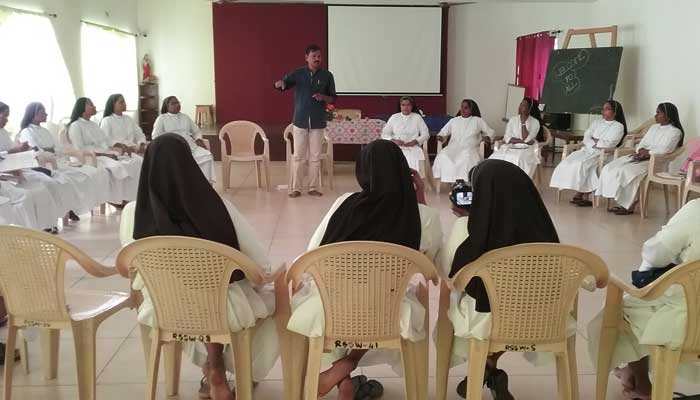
x=498, y=383
x=585, y=203
x=576, y=200
x=2, y=355
x=624, y=211
x=204, y=389
x=366, y=389
x=462, y=386
x=615, y=209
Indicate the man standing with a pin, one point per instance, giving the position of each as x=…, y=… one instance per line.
x=315, y=88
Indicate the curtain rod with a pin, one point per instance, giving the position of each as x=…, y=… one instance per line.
x=39, y=13
x=110, y=28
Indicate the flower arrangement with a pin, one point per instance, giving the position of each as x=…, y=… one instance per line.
x=330, y=112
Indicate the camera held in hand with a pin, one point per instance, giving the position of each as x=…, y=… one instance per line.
x=461, y=194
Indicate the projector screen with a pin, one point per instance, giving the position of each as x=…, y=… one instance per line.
x=385, y=50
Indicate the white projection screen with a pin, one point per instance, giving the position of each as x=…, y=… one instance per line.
x=380, y=50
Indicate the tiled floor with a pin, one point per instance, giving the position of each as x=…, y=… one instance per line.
x=285, y=225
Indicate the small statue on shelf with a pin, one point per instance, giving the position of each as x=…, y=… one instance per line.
x=148, y=77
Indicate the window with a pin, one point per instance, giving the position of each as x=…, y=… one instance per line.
x=32, y=67
x=109, y=64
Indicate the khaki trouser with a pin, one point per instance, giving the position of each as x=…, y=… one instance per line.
x=307, y=155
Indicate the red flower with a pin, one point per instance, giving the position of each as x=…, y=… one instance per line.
x=330, y=107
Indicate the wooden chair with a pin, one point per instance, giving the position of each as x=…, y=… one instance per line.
x=691, y=183
x=348, y=114
x=204, y=114
x=188, y=279
x=239, y=137
x=32, y=270
x=361, y=285
x=532, y=289
x=658, y=167
x=664, y=360
x=437, y=182
x=326, y=157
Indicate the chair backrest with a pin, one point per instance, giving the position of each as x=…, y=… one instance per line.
x=532, y=288
x=64, y=137
x=32, y=268
x=661, y=162
x=187, y=280
x=686, y=275
x=348, y=113
x=288, y=137
x=238, y=138
x=362, y=284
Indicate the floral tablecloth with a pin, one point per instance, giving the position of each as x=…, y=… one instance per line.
x=361, y=131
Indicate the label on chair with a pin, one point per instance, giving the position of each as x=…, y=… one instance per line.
x=36, y=324
x=356, y=345
x=188, y=338
x=520, y=347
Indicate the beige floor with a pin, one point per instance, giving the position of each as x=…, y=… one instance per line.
x=285, y=225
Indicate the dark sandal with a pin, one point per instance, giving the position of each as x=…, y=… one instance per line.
x=366, y=389
x=204, y=389
x=624, y=211
x=2, y=356
x=585, y=203
x=498, y=383
x=615, y=209
x=462, y=386
x=576, y=200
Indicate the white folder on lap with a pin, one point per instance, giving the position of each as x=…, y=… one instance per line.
x=16, y=161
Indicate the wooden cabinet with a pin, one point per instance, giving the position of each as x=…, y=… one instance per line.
x=149, y=107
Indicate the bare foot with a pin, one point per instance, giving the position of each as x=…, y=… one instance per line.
x=346, y=390
x=218, y=386
x=334, y=375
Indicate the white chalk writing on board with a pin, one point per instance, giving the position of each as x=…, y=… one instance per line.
x=566, y=72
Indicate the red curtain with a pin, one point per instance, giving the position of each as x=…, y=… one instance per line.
x=531, y=59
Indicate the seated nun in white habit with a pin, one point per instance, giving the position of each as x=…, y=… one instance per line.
x=408, y=130
x=31, y=201
x=171, y=120
x=79, y=187
x=621, y=178
x=390, y=208
x=523, y=133
x=121, y=129
x=466, y=131
x=579, y=171
x=495, y=221
x=86, y=135
x=660, y=322
x=175, y=198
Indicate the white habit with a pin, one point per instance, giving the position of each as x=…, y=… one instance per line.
x=662, y=321
x=578, y=171
x=124, y=172
x=246, y=303
x=462, y=153
x=307, y=311
x=408, y=128
x=620, y=179
x=183, y=125
x=122, y=129
x=525, y=158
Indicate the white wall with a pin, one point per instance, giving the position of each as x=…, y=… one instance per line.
x=116, y=13
x=180, y=43
x=660, y=61
x=481, y=48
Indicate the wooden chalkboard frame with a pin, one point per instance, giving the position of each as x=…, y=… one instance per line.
x=591, y=32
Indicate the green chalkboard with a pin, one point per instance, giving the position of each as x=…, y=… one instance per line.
x=580, y=80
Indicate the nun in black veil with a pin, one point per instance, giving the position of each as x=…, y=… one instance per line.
x=175, y=198
x=506, y=210
x=389, y=208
